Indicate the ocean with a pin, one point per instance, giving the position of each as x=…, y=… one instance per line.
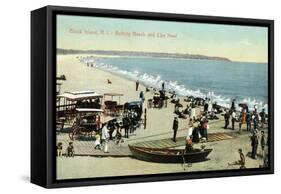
x=221, y=81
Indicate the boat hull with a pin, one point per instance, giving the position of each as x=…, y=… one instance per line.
x=169, y=155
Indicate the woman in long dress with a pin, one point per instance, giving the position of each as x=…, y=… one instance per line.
x=190, y=129
x=105, y=137
x=242, y=119
x=192, y=113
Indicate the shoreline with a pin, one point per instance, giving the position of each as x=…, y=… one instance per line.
x=223, y=100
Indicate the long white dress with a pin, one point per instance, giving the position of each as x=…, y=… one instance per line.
x=105, y=136
x=189, y=132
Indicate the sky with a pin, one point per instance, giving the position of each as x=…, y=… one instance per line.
x=237, y=43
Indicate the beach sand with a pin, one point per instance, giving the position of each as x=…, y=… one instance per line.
x=159, y=126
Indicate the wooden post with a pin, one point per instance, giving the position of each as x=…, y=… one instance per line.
x=144, y=122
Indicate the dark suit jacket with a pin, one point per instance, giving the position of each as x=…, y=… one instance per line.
x=175, y=125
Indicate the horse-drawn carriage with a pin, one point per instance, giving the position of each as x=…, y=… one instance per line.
x=81, y=112
x=68, y=103
x=129, y=121
x=113, y=107
x=133, y=112
x=86, y=123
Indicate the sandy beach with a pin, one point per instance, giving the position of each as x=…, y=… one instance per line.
x=159, y=125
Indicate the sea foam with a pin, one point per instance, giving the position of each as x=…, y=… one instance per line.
x=155, y=81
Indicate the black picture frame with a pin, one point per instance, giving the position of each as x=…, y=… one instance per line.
x=43, y=89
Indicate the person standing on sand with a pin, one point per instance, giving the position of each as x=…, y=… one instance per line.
x=256, y=120
x=175, y=128
x=126, y=124
x=137, y=85
x=233, y=119
x=233, y=105
x=190, y=129
x=142, y=97
x=192, y=113
x=244, y=114
x=242, y=119
x=249, y=121
x=262, y=115
x=262, y=143
x=163, y=86
x=254, y=144
x=206, y=106
x=105, y=138
x=226, y=119
x=256, y=109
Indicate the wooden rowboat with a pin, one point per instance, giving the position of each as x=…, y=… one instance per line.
x=165, y=155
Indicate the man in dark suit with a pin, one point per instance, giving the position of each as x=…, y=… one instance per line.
x=175, y=128
x=226, y=119
x=126, y=125
x=137, y=85
x=254, y=144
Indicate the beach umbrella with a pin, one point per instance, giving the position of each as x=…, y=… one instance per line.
x=243, y=105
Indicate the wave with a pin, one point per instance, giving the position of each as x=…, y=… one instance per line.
x=155, y=81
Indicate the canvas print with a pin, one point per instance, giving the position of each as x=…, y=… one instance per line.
x=142, y=97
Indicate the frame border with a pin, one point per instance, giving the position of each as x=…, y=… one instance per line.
x=53, y=11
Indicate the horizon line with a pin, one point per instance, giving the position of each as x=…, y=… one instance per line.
x=228, y=60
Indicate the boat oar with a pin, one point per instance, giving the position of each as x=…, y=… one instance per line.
x=183, y=159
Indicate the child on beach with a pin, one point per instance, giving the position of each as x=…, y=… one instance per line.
x=59, y=149
x=97, y=142
x=70, y=150
x=240, y=162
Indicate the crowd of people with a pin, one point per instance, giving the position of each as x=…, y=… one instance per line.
x=196, y=134
x=253, y=120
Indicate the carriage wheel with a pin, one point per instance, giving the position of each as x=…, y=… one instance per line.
x=75, y=131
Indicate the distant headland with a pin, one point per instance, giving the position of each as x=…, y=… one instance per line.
x=141, y=54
